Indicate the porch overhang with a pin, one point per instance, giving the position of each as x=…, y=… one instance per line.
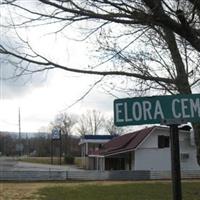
x=96, y=156
x=119, y=152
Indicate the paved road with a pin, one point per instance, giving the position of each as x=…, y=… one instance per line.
x=7, y=164
x=11, y=164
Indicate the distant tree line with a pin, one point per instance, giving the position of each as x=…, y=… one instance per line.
x=72, y=127
x=8, y=143
x=37, y=145
x=92, y=122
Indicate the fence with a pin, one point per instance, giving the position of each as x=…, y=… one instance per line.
x=32, y=175
x=108, y=175
x=92, y=175
x=190, y=174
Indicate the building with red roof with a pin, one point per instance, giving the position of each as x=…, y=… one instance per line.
x=145, y=149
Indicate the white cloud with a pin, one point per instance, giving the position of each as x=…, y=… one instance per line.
x=40, y=105
x=41, y=100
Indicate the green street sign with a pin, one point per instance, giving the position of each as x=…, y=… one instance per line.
x=156, y=109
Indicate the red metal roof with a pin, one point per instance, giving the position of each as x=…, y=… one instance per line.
x=125, y=142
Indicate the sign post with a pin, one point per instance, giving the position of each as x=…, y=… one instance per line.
x=175, y=162
x=56, y=136
x=169, y=110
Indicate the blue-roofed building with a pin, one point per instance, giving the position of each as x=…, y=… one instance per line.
x=91, y=144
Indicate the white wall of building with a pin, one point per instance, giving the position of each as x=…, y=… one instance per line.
x=149, y=157
x=152, y=159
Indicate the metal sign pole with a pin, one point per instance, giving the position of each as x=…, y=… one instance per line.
x=55, y=136
x=60, y=149
x=51, y=151
x=175, y=162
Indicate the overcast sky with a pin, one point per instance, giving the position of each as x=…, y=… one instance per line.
x=42, y=96
x=40, y=104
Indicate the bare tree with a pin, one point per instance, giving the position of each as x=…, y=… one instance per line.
x=111, y=128
x=90, y=122
x=65, y=123
x=82, y=127
x=170, y=28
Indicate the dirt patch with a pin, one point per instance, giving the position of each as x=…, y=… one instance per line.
x=20, y=191
x=25, y=191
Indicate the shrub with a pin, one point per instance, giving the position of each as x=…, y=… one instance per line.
x=69, y=160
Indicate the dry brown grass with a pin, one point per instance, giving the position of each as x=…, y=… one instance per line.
x=20, y=191
x=29, y=190
x=25, y=191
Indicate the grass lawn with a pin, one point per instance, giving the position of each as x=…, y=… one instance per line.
x=96, y=191
x=42, y=160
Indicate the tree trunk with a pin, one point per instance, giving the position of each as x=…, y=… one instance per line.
x=182, y=82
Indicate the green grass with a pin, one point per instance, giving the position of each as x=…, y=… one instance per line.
x=42, y=160
x=125, y=191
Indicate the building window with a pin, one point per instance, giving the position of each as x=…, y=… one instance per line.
x=184, y=157
x=163, y=141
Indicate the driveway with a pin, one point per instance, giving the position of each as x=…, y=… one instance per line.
x=7, y=163
x=11, y=164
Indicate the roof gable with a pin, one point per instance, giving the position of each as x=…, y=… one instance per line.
x=126, y=142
